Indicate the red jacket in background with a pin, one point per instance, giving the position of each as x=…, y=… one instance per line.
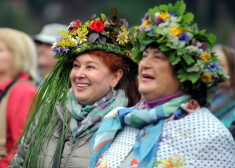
x=19, y=101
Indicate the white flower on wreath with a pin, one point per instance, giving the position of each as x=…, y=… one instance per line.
x=193, y=50
x=197, y=67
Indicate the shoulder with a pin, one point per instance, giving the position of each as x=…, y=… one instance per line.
x=199, y=129
x=200, y=137
x=23, y=87
x=202, y=120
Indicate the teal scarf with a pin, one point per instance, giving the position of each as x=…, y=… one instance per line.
x=85, y=120
x=150, y=123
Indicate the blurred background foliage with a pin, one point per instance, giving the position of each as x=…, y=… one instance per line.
x=217, y=16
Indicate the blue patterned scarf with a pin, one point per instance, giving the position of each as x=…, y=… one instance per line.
x=85, y=120
x=150, y=123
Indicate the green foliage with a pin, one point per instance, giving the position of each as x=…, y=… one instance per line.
x=103, y=16
x=183, y=76
x=42, y=123
x=173, y=58
x=187, y=18
x=180, y=7
x=188, y=59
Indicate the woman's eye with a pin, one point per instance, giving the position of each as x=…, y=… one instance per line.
x=75, y=65
x=90, y=67
x=144, y=55
x=160, y=57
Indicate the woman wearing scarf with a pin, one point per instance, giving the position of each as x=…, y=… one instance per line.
x=171, y=126
x=88, y=81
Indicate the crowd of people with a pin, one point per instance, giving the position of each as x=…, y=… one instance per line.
x=101, y=94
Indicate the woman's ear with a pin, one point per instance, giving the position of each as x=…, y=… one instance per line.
x=117, y=76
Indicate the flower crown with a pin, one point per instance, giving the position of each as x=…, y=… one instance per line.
x=186, y=47
x=98, y=33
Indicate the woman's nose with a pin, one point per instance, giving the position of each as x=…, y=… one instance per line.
x=80, y=73
x=145, y=62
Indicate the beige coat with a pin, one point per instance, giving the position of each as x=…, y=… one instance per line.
x=73, y=155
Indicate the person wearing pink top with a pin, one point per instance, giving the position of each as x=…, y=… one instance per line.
x=18, y=63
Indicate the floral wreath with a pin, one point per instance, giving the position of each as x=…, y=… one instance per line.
x=187, y=47
x=98, y=33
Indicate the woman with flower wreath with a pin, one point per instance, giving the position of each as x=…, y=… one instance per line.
x=171, y=126
x=94, y=74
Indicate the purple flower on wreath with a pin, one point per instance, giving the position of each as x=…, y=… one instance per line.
x=213, y=67
x=66, y=49
x=203, y=45
x=58, y=39
x=184, y=37
x=54, y=50
x=146, y=17
x=143, y=19
x=157, y=20
x=57, y=50
x=142, y=30
x=152, y=31
x=173, y=14
x=195, y=42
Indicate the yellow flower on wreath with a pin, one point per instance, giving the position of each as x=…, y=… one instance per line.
x=146, y=23
x=206, y=78
x=123, y=36
x=176, y=31
x=205, y=56
x=164, y=15
x=68, y=40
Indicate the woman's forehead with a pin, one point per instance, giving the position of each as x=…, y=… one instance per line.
x=153, y=50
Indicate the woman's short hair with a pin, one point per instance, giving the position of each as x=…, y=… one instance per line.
x=23, y=51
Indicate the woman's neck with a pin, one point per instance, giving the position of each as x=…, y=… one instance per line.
x=153, y=103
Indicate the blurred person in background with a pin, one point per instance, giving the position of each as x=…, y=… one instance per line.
x=18, y=66
x=223, y=106
x=44, y=41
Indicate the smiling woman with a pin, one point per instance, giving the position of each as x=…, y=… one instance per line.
x=94, y=74
x=91, y=78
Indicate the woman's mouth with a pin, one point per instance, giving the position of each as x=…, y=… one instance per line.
x=147, y=77
x=82, y=86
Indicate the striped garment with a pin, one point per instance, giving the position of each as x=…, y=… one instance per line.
x=223, y=107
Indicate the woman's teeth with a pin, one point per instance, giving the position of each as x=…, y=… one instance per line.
x=82, y=85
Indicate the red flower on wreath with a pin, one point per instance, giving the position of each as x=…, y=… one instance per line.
x=74, y=26
x=97, y=26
